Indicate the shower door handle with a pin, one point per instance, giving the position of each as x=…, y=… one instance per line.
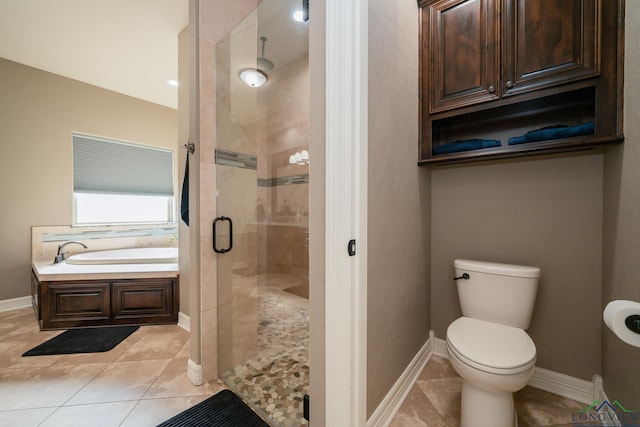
x=215, y=245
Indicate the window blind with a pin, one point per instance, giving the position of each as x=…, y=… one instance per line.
x=101, y=165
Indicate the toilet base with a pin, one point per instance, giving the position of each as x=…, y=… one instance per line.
x=481, y=408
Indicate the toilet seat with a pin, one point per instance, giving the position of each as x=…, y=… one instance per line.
x=491, y=347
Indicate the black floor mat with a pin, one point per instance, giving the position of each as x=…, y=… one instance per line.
x=224, y=409
x=89, y=340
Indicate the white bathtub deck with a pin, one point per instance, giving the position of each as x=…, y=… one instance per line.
x=47, y=271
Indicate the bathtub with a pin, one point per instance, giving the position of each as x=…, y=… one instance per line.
x=126, y=256
x=136, y=286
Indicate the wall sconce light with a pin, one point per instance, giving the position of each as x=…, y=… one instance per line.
x=253, y=77
x=301, y=158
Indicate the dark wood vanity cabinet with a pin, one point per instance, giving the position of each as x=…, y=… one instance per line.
x=90, y=303
x=491, y=70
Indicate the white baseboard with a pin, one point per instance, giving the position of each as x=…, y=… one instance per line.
x=194, y=373
x=15, y=303
x=563, y=385
x=599, y=395
x=440, y=347
x=387, y=409
x=554, y=382
x=598, y=389
x=184, y=321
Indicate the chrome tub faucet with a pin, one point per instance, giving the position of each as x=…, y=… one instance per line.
x=60, y=256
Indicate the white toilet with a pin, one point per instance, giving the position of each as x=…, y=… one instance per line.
x=488, y=346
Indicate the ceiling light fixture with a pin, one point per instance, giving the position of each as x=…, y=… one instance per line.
x=256, y=77
x=297, y=15
x=253, y=77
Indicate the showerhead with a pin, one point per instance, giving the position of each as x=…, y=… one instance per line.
x=264, y=64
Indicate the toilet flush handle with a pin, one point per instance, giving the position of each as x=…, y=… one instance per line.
x=464, y=276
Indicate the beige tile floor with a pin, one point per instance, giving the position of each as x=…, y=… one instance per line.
x=434, y=401
x=141, y=382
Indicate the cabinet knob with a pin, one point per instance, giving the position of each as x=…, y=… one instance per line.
x=492, y=89
x=510, y=84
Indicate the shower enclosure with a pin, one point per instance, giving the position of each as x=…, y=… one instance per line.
x=261, y=232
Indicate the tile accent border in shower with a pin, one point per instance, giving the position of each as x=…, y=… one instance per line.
x=236, y=160
x=247, y=161
x=283, y=180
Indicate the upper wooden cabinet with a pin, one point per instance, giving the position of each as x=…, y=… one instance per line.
x=549, y=42
x=464, y=54
x=494, y=70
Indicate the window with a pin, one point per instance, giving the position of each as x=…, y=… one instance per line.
x=120, y=182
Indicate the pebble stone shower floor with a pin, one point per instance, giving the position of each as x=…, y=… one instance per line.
x=276, y=380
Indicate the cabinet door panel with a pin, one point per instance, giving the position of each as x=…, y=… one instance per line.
x=549, y=42
x=464, y=54
x=153, y=300
x=68, y=304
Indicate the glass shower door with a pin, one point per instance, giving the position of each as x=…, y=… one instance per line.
x=236, y=176
x=261, y=232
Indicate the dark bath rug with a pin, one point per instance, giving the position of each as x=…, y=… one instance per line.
x=89, y=340
x=223, y=409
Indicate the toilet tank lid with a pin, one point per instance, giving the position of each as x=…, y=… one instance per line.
x=497, y=268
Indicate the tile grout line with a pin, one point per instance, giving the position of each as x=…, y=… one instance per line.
x=49, y=416
x=129, y=413
x=85, y=385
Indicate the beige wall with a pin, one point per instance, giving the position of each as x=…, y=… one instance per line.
x=620, y=369
x=545, y=212
x=398, y=211
x=38, y=112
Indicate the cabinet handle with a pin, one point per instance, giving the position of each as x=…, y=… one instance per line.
x=510, y=84
x=492, y=89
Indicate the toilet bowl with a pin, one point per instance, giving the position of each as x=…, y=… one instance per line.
x=488, y=346
x=494, y=361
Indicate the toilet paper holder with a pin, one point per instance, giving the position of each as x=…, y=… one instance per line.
x=623, y=318
x=633, y=323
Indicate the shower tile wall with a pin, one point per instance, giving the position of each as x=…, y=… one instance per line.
x=283, y=189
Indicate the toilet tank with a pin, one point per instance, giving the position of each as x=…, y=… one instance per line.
x=499, y=293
